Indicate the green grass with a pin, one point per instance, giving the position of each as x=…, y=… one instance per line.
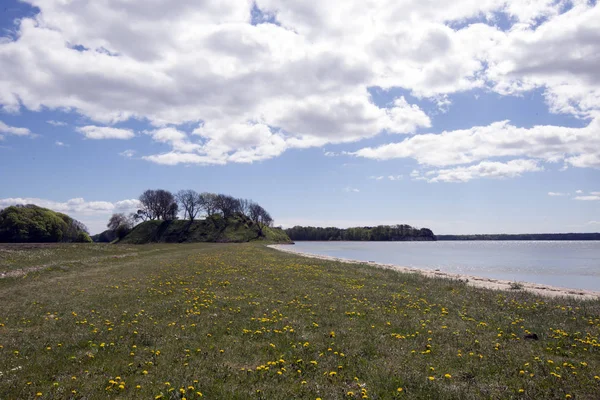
x=241, y=321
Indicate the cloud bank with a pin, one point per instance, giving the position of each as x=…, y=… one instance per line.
x=298, y=76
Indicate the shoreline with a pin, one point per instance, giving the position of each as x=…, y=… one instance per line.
x=475, y=281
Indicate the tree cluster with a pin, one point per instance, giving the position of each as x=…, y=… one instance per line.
x=33, y=224
x=367, y=233
x=163, y=205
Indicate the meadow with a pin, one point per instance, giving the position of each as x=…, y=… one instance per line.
x=242, y=321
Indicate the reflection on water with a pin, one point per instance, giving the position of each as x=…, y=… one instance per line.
x=571, y=264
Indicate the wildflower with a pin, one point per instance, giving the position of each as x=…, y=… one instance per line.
x=399, y=390
x=447, y=376
x=432, y=378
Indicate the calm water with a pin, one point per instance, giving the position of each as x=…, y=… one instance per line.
x=572, y=264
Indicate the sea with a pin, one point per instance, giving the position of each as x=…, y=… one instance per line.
x=565, y=264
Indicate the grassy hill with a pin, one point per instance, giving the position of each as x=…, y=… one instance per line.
x=215, y=228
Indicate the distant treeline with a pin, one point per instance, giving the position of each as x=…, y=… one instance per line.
x=528, y=236
x=366, y=233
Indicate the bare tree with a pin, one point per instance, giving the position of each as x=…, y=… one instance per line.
x=117, y=220
x=227, y=205
x=120, y=224
x=208, y=203
x=245, y=206
x=157, y=204
x=260, y=216
x=190, y=203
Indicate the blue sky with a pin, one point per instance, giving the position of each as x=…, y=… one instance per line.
x=456, y=121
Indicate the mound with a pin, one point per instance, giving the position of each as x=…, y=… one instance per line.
x=216, y=229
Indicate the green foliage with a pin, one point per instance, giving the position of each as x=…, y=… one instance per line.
x=236, y=229
x=83, y=237
x=33, y=224
x=367, y=233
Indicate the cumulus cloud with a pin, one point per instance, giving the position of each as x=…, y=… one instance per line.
x=76, y=205
x=12, y=130
x=251, y=92
x=349, y=189
x=105, y=132
x=61, y=144
x=555, y=194
x=485, y=169
x=127, y=153
x=579, y=147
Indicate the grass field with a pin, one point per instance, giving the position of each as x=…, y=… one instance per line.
x=241, y=321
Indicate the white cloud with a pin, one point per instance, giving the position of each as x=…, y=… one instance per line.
x=256, y=91
x=554, y=194
x=127, y=153
x=395, y=177
x=76, y=205
x=105, y=132
x=579, y=191
x=588, y=198
x=579, y=147
x=593, y=223
x=56, y=123
x=94, y=214
x=595, y=193
x=377, y=178
x=61, y=144
x=351, y=189
x=485, y=169
x=12, y=130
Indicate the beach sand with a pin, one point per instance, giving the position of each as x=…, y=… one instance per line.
x=487, y=283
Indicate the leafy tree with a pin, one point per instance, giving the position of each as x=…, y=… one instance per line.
x=30, y=223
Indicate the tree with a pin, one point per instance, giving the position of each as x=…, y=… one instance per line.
x=227, y=205
x=120, y=224
x=190, y=202
x=157, y=204
x=260, y=216
x=208, y=203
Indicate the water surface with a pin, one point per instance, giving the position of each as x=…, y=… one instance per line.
x=567, y=264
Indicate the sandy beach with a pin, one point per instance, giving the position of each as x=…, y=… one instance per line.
x=487, y=283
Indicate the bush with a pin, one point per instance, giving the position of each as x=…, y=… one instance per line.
x=83, y=237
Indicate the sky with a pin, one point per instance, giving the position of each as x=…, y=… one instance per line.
x=462, y=117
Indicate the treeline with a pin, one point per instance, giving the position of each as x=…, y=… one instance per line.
x=367, y=233
x=527, y=236
x=32, y=224
x=163, y=205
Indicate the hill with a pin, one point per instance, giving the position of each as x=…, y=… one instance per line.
x=367, y=233
x=33, y=224
x=105, y=237
x=236, y=229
